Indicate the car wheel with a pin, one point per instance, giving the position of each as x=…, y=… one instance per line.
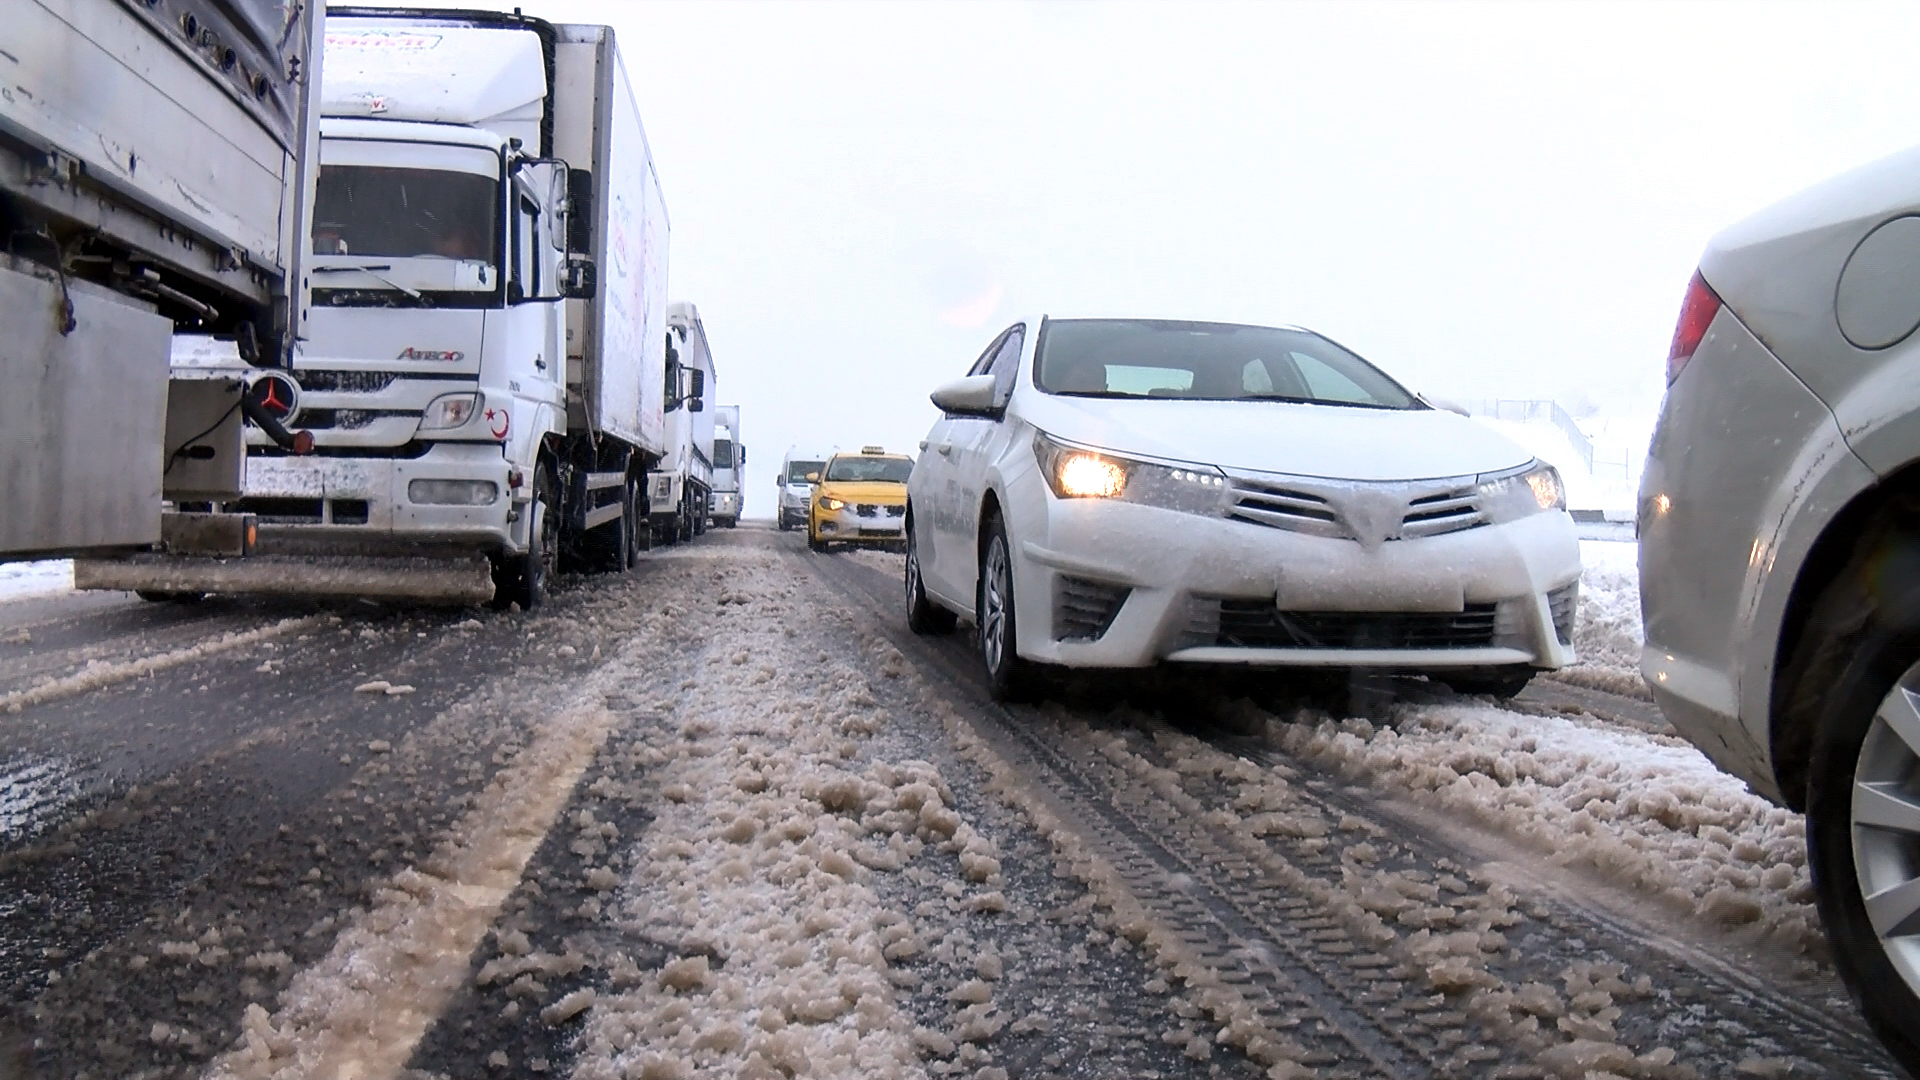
x=1502, y=683
x=1009, y=678
x=924, y=617
x=785, y=524
x=1863, y=795
x=524, y=579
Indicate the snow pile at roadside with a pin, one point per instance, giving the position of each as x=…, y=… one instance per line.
x=1651, y=813
x=24, y=579
x=1607, y=633
x=757, y=870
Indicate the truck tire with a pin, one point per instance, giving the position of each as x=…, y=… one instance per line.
x=609, y=548
x=1009, y=678
x=523, y=579
x=1862, y=650
x=684, y=523
x=638, y=539
x=731, y=522
x=924, y=617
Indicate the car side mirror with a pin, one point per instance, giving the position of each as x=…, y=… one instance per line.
x=579, y=278
x=968, y=396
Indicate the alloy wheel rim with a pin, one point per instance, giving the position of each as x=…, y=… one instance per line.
x=993, y=621
x=1885, y=820
x=913, y=575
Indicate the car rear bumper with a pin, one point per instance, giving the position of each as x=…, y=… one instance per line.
x=1123, y=585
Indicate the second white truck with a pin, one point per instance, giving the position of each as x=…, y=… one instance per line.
x=485, y=374
x=679, y=486
x=729, y=467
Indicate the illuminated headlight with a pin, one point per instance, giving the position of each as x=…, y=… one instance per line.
x=452, y=492
x=828, y=502
x=1513, y=495
x=448, y=411
x=1081, y=473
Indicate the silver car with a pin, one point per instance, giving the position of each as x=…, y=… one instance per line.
x=1780, y=550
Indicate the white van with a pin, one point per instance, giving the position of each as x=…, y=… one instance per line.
x=790, y=508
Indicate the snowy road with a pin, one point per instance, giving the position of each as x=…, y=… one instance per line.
x=725, y=817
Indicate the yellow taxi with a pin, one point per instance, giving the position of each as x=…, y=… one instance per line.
x=861, y=500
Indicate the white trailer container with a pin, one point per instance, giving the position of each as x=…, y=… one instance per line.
x=154, y=163
x=729, y=467
x=681, y=485
x=483, y=408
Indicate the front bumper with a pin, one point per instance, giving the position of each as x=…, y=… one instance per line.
x=724, y=504
x=1111, y=584
x=884, y=524
x=365, y=505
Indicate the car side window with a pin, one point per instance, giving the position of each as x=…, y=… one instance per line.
x=1006, y=362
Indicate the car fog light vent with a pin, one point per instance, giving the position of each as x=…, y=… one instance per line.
x=1083, y=610
x=1562, y=603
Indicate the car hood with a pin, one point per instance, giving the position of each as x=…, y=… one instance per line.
x=1271, y=436
x=875, y=491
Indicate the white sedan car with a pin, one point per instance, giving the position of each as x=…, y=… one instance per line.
x=1119, y=493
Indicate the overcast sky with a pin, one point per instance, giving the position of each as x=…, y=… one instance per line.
x=1500, y=199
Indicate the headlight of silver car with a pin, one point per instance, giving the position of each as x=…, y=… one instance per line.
x=1076, y=472
x=1511, y=495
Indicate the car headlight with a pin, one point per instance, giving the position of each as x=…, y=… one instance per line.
x=1519, y=493
x=1075, y=472
x=828, y=502
x=448, y=411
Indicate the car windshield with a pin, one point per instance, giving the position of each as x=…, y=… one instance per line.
x=797, y=471
x=893, y=470
x=1142, y=358
x=405, y=213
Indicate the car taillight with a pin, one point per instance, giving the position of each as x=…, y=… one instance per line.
x=1696, y=314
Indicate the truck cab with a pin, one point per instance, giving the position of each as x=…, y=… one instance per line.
x=729, y=467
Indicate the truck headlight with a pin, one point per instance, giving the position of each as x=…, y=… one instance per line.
x=449, y=411
x=1075, y=472
x=1521, y=492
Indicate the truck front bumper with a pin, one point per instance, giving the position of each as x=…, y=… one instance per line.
x=454, y=497
x=458, y=580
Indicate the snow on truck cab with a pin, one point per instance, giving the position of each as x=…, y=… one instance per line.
x=484, y=372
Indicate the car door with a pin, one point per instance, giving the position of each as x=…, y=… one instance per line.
x=977, y=443
x=937, y=503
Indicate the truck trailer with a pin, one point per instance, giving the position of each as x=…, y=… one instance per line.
x=155, y=164
x=483, y=373
x=679, y=487
x=729, y=467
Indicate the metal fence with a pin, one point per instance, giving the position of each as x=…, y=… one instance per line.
x=1540, y=409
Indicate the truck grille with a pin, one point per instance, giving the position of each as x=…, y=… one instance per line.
x=1257, y=624
x=1083, y=610
x=344, y=419
x=1405, y=510
x=1561, y=604
x=345, y=382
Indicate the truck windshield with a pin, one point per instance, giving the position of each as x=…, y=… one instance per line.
x=797, y=471
x=891, y=470
x=1196, y=361
x=406, y=213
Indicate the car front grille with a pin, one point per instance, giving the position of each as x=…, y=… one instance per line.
x=1258, y=624
x=1562, y=603
x=867, y=510
x=1404, y=510
x=1083, y=610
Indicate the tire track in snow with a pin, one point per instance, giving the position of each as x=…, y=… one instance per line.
x=1834, y=1042
x=98, y=674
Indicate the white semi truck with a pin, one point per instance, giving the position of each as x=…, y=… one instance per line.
x=483, y=375
x=729, y=467
x=679, y=486
x=155, y=162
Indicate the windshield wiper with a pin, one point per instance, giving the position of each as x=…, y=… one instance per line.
x=1297, y=400
x=372, y=270
x=1095, y=394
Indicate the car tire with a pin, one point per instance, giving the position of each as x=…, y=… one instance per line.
x=818, y=547
x=1501, y=683
x=924, y=617
x=1009, y=678
x=785, y=524
x=524, y=579
x=1862, y=646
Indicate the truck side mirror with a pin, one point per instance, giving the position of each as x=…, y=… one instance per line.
x=697, y=385
x=580, y=211
x=741, y=459
x=697, y=405
x=579, y=277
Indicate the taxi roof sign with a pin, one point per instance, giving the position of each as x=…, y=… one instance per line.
x=873, y=449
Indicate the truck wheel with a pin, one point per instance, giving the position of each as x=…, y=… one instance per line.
x=924, y=617
x=609, y=547
x=699, y=518
x=1502, y=683
x=1009, y=678
x=637, y=538
x=731, y=522
x=523, y=579
x=685, y=521
x=1862, y=645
